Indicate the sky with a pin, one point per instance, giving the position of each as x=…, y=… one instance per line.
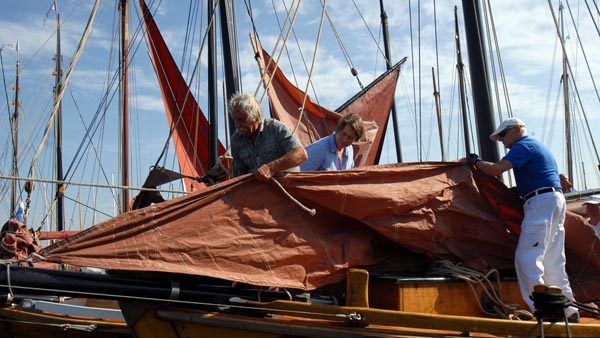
x=525, y=38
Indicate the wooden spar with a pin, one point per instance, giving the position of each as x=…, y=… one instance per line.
x=461, y=80
x=480, y=88
x=60, y=189
x=388, y=63
x=436, y=96
x=124, y=105
x=565, y=82
x=15, y=132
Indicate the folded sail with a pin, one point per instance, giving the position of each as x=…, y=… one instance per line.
x=373, y=104
x=249, y=231
x=190, y=131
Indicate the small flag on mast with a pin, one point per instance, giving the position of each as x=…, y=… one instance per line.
x=9, y=46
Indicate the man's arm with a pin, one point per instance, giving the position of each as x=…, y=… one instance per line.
x=493, y=168
x=291, y=159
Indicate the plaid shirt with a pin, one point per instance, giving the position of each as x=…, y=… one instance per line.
x=274, y=140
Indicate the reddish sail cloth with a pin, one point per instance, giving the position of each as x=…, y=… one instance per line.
x=16, y=242
x=249, y=231
x=189, y=126
x=373, y=104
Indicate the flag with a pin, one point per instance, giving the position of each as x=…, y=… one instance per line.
x=9, y=45
x=52, y=8
x=20, y=214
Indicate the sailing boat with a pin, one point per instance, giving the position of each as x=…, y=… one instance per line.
x=69, y=317
x=353, y=223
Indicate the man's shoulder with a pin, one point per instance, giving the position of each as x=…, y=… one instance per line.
x=273, y=123
x=321, y=144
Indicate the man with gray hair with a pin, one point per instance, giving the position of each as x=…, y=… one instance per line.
x=259, y=145
x=540, y=254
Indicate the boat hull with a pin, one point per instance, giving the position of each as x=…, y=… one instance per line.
x=293, y=319
x=24, y=323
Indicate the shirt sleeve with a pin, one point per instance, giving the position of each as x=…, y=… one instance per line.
x=287, y=140
x=517, y=156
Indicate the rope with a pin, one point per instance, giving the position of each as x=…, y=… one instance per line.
x=474, y=278
x=578, y=96
x=96, y=185
x=285, y=39
x=312, y=65
x=312, y=212
x=10, y=295
x=60, y=95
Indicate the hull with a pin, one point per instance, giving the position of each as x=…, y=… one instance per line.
x=59, y=320
x=422, y=310
x=288, y=319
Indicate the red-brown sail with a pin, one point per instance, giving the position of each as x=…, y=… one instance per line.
x=248, y=231
x=373, y=104
x=188, y=124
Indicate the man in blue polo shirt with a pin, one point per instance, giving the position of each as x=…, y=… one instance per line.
x=334, y=152
x=540, y=254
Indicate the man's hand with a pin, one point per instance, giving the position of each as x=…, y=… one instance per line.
x=473, y=158
x=263, y=173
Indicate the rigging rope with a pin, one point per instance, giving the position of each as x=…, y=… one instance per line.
x=78, y=52
x=574, y=84
x=492, y=26
x=312, y=65
x=96, y=185
x=284, y=43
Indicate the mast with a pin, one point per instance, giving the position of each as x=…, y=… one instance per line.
x=15, y=134
x=461, y=80
x=230, y=61
x=482, y=102
x=436, y=96
x=565, y=83
x=60, y=189
x=212, y=85
x=388, y=64
x=124, y=104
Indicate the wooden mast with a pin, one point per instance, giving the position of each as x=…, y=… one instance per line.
x=60, y=189
x=124, y=105
x=15, y=132
x=565, y=83
x=438, y=110
x=461, y=81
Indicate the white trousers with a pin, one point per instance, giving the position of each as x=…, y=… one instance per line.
x=540, y=254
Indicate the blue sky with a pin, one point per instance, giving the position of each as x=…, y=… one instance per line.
x=525, y=33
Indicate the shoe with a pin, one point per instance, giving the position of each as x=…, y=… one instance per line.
x=574, y=318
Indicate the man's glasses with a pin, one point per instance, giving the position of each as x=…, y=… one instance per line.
x=503, y=133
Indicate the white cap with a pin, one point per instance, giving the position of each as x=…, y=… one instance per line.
x=513, y=121
x=594, y=199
